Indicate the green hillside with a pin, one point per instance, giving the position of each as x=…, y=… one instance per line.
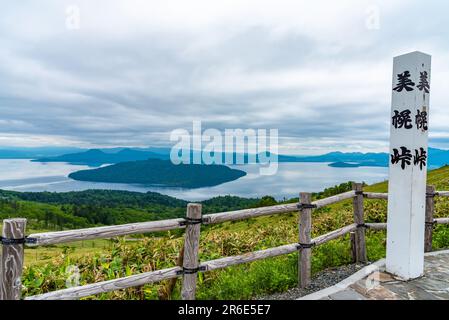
x=239, y=282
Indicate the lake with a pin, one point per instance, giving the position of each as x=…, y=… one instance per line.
x=291, y=178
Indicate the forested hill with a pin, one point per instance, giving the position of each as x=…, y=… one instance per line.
x=105, y=198
x=80, y=209
x=161, y=172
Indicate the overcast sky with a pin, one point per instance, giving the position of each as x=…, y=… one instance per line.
x=132, y=71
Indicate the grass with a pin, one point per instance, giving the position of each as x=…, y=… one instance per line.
x=232, y=238
x=34, y=256
x=42, y=255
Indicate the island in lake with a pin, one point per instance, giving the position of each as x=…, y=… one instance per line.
x=161, y=173
x=342, y=164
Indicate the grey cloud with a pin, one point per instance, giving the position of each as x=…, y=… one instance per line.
x=113, y=89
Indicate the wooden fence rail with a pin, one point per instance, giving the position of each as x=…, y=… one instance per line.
x=57, y=237
x=14, y=239
x=169, y=273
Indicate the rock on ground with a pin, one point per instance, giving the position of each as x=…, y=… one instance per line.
x=322, y=280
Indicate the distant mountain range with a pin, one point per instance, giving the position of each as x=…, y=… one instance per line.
x=375, y=159
x=161, y=172
x=32, y=153
x=97, y=157
x=436, y=158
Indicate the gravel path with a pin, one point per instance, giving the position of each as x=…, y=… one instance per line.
x=322, y=280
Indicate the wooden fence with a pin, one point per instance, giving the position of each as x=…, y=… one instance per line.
x=13, y=241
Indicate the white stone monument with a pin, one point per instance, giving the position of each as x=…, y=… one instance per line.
x=408, y=165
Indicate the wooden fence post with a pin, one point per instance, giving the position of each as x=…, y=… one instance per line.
x=353, y=247
x=430, y=207
x=191, y=247
x=360, y=244
x=12, y=259
x=305, y=238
